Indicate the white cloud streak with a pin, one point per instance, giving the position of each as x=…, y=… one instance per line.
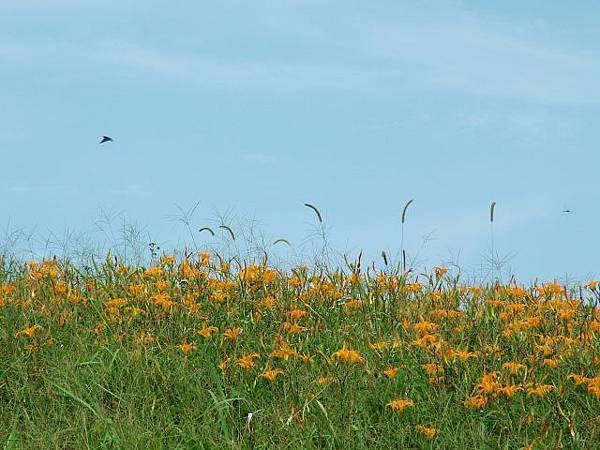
x=42, y=189
x=481, y=59
x=260, y=159
x=452, y=56
x=198, y=69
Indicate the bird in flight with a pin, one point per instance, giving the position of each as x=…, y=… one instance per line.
x=566, y=211
x=106, y=139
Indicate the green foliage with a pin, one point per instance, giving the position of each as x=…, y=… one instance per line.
x=125, y=357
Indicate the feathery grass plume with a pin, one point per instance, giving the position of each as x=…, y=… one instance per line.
x=402, y=233
x=493, y=256
x=320, y=233
x=284, y=241
x=404, y=210
x=206, y=229
x=359, y=260
x=225, y=227
x=315, y=210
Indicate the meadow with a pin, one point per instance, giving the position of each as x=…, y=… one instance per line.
x=193, y=351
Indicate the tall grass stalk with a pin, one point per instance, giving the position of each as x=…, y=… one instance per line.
x=402, y=235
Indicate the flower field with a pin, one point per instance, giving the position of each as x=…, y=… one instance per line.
x=201, y=353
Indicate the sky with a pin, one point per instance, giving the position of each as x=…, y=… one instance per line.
x=250, y=109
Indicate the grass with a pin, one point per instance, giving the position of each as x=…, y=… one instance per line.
x=193, y=353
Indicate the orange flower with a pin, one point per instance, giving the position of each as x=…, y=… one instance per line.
x=428, y=432
x=116, y=303
x=348, y=356
x=187, y=348
x=29, y=332
x=293, y=328
x=429, y=341
x=550, y=363
x=204, y=259
x=269, y=301
x=541, y=390
x=153, y=272
x=440, y=271
x=135, y=289
x=432, y=368
x=168, y=260
x=232, y=333
x=246, y=362
x=162, y=285
x=324, y=380
x=284, y=353
x=122, y=270
x=476, y=402
x=413, y=287
x=207, y=332
x=272, y=374
x=219, y=296
x=297, y=314
x=488, y=383
x=76, y=298
x=512, y=367
x=163, y=301
x=390, y=372
x=509, y=391
x=7, y=289
x=353, y=304
x=400, y=404
x=425, y=327
x=462, y=355
x=594, y=389
x=579, y=379
x=60, y=289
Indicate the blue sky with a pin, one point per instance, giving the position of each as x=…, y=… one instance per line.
x=254, y=108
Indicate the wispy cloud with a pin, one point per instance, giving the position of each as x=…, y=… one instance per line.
x=473, y=57
x=48, y=53
x=527, y=126
x=42, y=189
x=200, y=69
x=260, y=159
x=481, y=58
x=451, y=55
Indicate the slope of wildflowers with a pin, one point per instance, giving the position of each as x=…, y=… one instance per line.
x=195, y=353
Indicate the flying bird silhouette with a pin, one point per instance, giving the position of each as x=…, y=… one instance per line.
x=106, y=139
x=566, y=211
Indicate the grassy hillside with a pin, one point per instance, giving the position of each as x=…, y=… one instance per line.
x=198, y=353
